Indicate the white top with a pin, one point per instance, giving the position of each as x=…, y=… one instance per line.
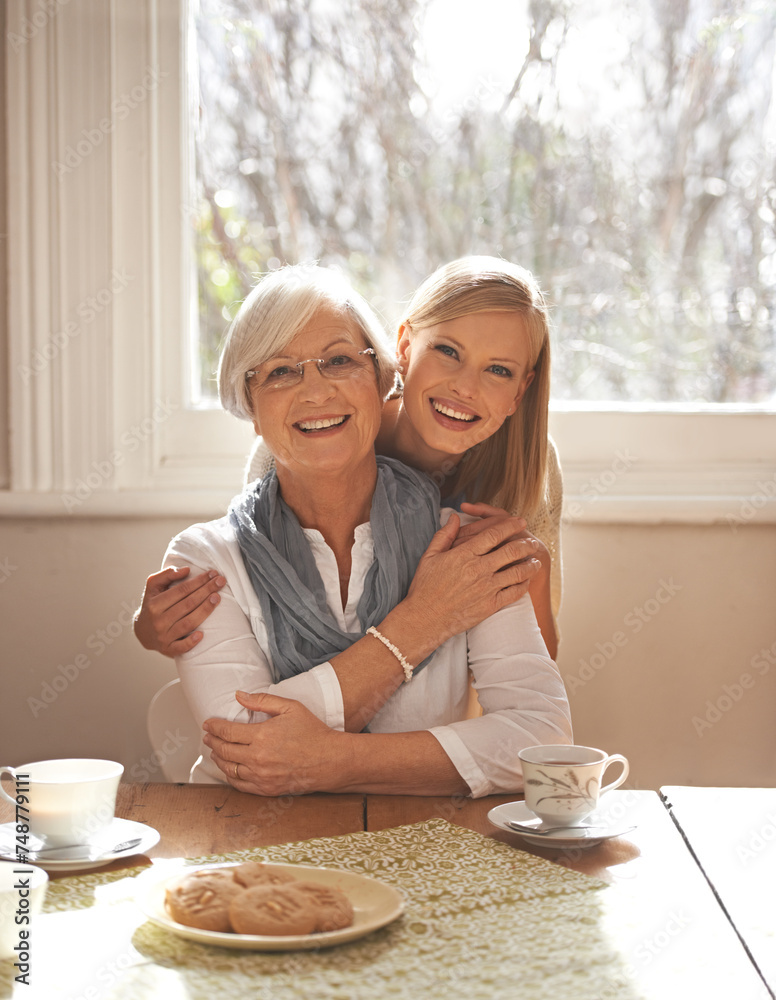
x=519, y=687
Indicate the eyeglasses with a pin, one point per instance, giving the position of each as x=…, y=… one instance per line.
x=336, y=367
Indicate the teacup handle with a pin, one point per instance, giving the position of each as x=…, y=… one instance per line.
x=3, y=792
x=615, y=757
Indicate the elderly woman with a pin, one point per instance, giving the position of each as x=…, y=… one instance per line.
x=347, y=612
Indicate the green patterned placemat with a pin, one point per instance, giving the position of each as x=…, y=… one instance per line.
x=483, y=920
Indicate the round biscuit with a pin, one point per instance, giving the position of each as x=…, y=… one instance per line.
x=252, y=873
x=202, y=900
x=275, y=910
x=333, y=908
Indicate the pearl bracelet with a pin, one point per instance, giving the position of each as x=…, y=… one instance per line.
x=405, y=664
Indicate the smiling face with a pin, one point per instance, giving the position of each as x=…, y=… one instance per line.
x=464, y=377
x=320, y=426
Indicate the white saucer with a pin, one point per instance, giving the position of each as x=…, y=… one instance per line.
x=375, y=904
x=518, y=812
x=116, y=833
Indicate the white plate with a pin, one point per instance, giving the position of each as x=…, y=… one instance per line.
x=518, y=812
x=375, y=904
x=116, y=833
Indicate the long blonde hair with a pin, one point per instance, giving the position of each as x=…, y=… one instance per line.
x=508, y=468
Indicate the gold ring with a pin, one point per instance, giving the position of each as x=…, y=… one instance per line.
x=236, y=775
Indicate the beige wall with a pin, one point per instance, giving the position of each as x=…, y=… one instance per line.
x=664, y=617
x=676, y=653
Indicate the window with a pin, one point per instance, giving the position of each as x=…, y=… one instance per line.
x=622, y=151
x=102, y=281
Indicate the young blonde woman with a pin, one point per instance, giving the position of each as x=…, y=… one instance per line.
x=472, y=412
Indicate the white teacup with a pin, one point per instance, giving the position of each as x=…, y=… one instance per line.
x=22, y=889
x=64, y=801
x=563, y=783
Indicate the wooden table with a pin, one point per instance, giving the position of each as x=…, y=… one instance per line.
x=669, y=928
x=658, y=913
x=732, y=834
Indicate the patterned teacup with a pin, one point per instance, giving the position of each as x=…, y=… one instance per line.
x=563, y=783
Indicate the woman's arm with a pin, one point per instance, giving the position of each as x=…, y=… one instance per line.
x=173, y=607
x=299, y=753
x=168, y=615
x=294, y=753
x=545, y=525
x=541, y=587
x=521, y=692
x=229, y=656
x=523, y=699
x=540, y=593
x=453, y=589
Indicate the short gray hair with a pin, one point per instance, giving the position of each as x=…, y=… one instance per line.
x=277, y=308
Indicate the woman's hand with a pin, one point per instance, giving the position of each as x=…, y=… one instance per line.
x=171, y=611
x=456, y=587
x=487, y=515
x=293, y=752
x=539, y=582
x=288, y=754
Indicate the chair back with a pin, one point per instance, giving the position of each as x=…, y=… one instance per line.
x=173, y=732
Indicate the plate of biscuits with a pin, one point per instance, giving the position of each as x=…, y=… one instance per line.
x=270, y=907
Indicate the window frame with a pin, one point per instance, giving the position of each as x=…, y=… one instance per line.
x=97, y=213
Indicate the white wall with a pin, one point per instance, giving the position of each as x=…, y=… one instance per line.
x=675, y=656
x=67, y=586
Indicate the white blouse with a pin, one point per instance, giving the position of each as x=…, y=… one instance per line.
x=519, y=687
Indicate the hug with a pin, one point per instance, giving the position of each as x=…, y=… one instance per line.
x=364, y=591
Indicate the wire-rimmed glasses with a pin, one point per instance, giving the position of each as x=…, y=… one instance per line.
x=334, y=367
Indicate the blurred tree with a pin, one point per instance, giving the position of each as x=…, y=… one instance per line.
x=625, y=155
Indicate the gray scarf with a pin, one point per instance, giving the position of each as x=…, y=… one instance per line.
x=302, y=631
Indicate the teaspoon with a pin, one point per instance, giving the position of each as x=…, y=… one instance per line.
x=77, y=852
x=536, y=831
